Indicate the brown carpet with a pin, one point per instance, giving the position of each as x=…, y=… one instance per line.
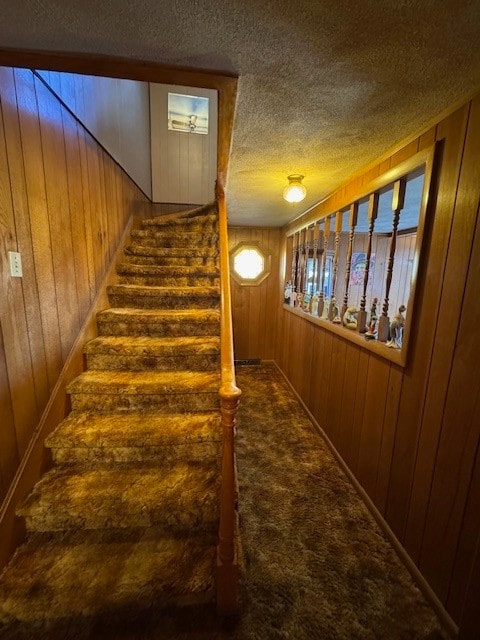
x=315, y=564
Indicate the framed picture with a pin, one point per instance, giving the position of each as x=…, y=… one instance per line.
x=357, y=271
x=187, y=113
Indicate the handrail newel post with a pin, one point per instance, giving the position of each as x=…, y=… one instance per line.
x=227, y=565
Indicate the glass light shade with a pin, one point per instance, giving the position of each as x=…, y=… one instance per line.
x=295, y=191
x=249, y=264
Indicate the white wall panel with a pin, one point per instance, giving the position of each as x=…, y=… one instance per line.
x=184, y=165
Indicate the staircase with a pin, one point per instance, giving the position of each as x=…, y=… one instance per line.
x=126, y=521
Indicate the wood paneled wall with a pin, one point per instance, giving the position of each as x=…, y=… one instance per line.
x=64, y=204
x=411, y=436
x=255, y=308
x=117, y=114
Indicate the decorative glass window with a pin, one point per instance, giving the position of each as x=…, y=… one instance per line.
x=187, y=113
x=249, y=263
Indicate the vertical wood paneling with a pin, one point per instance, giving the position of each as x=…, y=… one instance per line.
x=317, y=348
x=450, y=310
x=53, y=155
x=459, y=420
x=395, y=379
x=423, y=330
x=115, y=112
x=63, y=205
x=12, y=315
x=255, y=308
x=92, y=258
x=468, y=538
x=77, y=213
x=335, y=390
x=347, y=414
x=412, y=436
x=24, y=236
x=363, y=364
x=372, y=423
x=326, y=371
x=9, y=452
x=39, y=221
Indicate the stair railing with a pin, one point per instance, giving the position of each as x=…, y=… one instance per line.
x=227, y=566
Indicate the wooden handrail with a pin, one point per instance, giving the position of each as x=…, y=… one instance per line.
x=227, y=567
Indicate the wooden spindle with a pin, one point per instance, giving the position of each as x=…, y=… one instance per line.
x=316, y=253
x=352, y=223
x=397, y=206
x=301, y=262
x=307, y=247
x=295, y=259
x=307, y=303
x=326, y=236
x=338, y=232
x=372, y=216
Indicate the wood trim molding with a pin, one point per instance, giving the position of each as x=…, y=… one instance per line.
x=36, y=459
x=115, y=67
x=402, y=554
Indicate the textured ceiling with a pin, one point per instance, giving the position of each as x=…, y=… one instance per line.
x=324, y=87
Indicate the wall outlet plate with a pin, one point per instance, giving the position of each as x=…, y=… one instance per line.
x=15, y=260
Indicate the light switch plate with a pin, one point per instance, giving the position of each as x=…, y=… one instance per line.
x=15, y=260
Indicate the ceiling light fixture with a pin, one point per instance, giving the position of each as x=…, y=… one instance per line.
x=295, y=190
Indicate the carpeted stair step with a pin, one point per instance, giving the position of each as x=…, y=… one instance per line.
x=176, y=499
x=182, y=223
x=138, y=353
x=173, y=238
x=54, y=578
x=171, y=276
x=162, y=391
x=135, y=437
x=165, y=322
x=171, y=256
x=140, y=297
x=185, y=214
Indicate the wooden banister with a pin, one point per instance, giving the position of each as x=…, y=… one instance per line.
x=227, y=567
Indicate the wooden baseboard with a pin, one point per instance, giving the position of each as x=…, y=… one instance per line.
x=36, y=459
x=411, y=567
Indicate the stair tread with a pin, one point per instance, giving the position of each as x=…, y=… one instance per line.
x=153, y=291
x=159, y=233
x=161, y=221
x=181, y=252
x=145, y=382
x=124, y=495
x=202, y=315
x=134, y=430
x=160, y=346
x=167, y=270
x=137, y=570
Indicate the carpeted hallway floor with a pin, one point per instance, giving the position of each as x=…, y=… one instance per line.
x=315, y=564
